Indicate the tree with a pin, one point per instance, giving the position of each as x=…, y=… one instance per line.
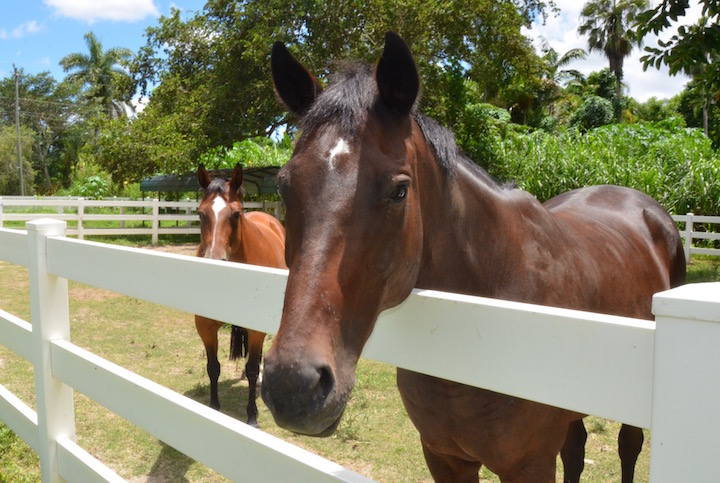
x=693, y=50
x=102, y=74
x=554, y=72
x=691, y=46
x=609, y=25
x=212, y=70
x=9, y=169
x=49, y=109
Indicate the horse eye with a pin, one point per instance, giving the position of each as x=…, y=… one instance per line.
x=236, y=215
x=399, y=193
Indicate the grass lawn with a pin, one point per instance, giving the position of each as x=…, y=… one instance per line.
x=375, y=437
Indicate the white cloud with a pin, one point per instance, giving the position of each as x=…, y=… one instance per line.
x=561, y=33
x=21, y=31
x=94, y=10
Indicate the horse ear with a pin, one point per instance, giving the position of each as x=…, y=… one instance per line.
x=237, y=178
x=396, y=75
x=296, y=87
x=203, y=176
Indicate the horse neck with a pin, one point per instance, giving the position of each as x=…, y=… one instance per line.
x=469, y=230
x=245, y=233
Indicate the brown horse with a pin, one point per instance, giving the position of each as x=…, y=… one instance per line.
x=380, y=200
x=226, y=233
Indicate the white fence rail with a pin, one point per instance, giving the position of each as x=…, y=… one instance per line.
x=126, y=217
x=660, y=376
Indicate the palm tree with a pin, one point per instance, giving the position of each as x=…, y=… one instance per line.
x=102, y=73
x=609, y=26
x=554, y=72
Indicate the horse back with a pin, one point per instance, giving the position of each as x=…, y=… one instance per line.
x=618, y=223
x=266, y=237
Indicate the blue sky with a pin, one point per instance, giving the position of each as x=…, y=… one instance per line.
x=36, y=34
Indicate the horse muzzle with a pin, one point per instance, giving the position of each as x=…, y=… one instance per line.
x=303, y=396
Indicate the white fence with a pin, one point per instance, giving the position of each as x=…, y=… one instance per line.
x=689, y=234
x=161, y=215
x=147, y=217
x=663, y=376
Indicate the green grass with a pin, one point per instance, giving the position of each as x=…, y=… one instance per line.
x=375, y=438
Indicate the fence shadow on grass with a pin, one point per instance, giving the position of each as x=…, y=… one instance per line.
x=172, y=465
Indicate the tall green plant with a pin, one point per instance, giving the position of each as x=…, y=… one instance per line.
x=674, y=165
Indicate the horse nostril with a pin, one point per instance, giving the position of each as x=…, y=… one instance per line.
x=326, y=383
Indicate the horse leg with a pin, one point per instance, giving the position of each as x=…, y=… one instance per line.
x=630, y=441
x=573, y=452
x=252, y=371
x=450, y=469
x=208, y=330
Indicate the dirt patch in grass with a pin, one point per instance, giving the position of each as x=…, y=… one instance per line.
x=189, y=249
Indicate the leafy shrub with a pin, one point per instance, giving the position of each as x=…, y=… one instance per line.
x=250, y=152
x=94, y=188
x=479, y=132
x=594, y=112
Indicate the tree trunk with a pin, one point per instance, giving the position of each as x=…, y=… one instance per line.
x=618, y=96
x=705, y=112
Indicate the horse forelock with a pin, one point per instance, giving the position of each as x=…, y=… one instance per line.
x=345, y=103
x=217, y=186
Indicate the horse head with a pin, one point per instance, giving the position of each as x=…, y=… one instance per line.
x=354, y=230
x=220, y=213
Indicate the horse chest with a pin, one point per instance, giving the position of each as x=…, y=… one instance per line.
x=476, y=424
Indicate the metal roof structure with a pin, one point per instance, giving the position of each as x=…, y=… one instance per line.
x=256, y=181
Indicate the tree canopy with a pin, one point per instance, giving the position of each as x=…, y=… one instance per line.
x=211, y=71
x=692, y=45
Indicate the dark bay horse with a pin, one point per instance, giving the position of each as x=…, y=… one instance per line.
x=380, y=200
x=226, y=233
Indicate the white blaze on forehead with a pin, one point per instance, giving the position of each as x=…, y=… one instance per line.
x=217, y=206
x=341, y=147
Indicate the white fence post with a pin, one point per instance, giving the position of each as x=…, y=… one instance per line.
x=686, y=385
x=80, y=215
x=1, y=211
x=687, y=234
x=155, y=221
x=50, y=321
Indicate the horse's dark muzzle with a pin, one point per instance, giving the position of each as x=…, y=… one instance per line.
x=302, y=397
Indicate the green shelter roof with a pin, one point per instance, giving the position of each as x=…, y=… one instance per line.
x=260, y=180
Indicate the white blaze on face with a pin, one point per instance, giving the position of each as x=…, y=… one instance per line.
x=341, y=147
x=217, y=206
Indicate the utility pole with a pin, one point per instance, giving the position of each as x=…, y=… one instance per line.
x=17, y=130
